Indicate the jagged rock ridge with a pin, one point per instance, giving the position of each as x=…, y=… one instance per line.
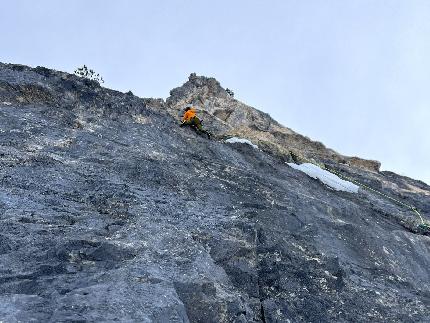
x=230, y=117
x=110, y=211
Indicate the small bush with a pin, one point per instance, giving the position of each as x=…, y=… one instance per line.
x=230, y=92
x=89, y=74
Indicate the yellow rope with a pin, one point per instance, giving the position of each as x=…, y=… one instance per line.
x=411, y=207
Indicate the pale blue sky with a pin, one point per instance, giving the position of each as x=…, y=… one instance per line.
x=354, y=74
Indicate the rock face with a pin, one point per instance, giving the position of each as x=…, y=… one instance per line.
x=110, y=211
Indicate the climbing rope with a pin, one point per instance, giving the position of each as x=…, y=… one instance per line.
x=423, y=225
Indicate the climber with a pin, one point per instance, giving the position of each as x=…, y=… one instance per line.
x=190, y=119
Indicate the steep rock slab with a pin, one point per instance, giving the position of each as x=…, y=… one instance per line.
x=109, y=211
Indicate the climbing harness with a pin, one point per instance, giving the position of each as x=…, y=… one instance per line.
x=424, y=225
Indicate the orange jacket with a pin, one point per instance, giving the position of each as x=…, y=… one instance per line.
x=189, y=115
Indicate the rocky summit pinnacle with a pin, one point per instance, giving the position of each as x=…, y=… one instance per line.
x=109, y=211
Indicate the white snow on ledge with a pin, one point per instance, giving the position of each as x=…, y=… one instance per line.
x=233, y=140
x=326, y=177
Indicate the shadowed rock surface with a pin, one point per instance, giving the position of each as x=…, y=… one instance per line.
x=110, y=211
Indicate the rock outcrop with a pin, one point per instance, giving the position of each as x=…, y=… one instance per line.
x=230, y=117
x=111, y=212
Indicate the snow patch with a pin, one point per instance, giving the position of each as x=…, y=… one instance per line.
x=233, y=140
x=326, y=177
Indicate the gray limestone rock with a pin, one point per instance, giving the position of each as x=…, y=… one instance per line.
x=111, y=212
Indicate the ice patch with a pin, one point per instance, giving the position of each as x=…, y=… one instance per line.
x=233, y=140
x=326, y=177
